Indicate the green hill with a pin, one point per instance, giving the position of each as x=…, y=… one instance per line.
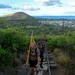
x=17, y=16
x=21, y=18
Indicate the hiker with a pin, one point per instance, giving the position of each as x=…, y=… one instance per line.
x=33, y=57
x=41, y=47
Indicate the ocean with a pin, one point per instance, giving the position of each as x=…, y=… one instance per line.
x=56, y=17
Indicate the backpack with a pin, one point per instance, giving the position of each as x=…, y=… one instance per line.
x=31, y=51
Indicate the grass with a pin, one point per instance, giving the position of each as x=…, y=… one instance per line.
x=62, y=57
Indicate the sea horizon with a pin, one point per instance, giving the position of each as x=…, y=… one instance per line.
x=55, y=17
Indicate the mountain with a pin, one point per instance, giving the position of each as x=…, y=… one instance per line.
x=21, y=19
x=18, y=16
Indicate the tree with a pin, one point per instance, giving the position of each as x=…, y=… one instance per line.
x=2, y=22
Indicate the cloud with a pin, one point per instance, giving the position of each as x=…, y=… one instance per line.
x=16, y=8
x=3, y=6
x=48, y=7
x=49, y=2
x=24, y=7
x=70, y=12
x=58, y=9
x=29, y=7
x=33, y=9
x=72, y=4
x=69, y=4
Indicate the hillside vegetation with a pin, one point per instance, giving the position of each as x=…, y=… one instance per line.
x=15, y=35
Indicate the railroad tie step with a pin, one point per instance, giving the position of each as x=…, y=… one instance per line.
x=49, y=56
x=45, y=67
x=40, y=72
x=53, y=66
x=51, y=62
x=49, y=52
x=44, y=60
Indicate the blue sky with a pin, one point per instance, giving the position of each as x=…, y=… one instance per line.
x=38, y=7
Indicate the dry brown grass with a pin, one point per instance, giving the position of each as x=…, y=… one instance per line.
x=61, y=57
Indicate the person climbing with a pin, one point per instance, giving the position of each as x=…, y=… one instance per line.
x=33, y=57
x=41, y=47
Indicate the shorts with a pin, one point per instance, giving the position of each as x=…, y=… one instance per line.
x=33, y=63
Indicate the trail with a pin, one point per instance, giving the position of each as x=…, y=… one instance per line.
x=50, y=67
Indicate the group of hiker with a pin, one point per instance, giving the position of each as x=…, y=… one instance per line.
x=35, y=55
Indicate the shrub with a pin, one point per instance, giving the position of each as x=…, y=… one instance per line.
x=5, y=57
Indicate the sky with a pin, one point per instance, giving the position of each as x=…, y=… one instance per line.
x=38, y=7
